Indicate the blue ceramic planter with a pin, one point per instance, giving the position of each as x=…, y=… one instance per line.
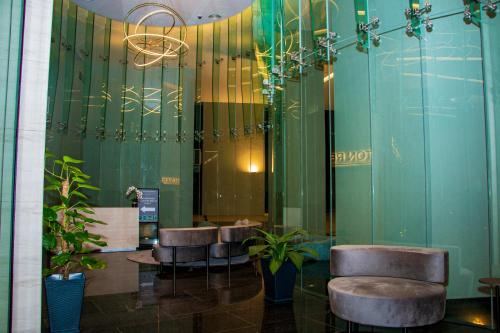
x=279, y=287
x=64, y=302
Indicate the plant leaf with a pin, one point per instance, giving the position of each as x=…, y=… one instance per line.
x=97, y=242
x=51, y=188
x=69, y=237
x=79, y=179
x=86, y=210
x=275, y=265
x=91, y=220
x=49, y=241
x=256, y=250
x=90, y=187
x=49, y=214
x=291, y=235
x=257, y=238
x=269, y=238
x=68, y=159
x=48, y=154
x=79, y=194
x=308, y=250
x=296, y=258
x=61, y=259
x=92, y=263
x=48, y=271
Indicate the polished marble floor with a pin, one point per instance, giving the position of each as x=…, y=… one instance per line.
x=131, y=297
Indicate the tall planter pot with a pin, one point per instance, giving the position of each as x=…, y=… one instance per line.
x=64, y=302
x=279, y=287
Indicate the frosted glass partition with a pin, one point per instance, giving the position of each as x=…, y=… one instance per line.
x=10, y=59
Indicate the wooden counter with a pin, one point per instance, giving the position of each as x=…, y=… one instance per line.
x=121, y=230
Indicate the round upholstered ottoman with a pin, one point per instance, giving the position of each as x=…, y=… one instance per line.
x=387, y=301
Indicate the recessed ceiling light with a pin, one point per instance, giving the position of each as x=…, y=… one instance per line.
x=214, y=16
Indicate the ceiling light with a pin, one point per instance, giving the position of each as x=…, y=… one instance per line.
x=152, y=48
x=214, y=16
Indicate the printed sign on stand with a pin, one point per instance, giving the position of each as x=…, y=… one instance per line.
x=148, y=205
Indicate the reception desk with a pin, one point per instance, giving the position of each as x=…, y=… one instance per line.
x=121, y=230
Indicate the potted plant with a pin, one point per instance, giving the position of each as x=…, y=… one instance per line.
x=281, y=257
x=134, y=194
x=67, y=238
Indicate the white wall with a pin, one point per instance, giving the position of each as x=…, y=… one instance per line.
x=27, y=264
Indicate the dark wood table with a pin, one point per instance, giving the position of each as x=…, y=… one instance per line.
x=494, y=283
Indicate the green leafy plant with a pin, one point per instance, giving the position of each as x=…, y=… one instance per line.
x=280, y=248
x=67, y=217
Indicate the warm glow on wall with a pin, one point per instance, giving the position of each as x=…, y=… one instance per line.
x=253, y=168
x=250, y=159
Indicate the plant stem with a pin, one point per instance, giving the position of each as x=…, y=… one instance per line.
x=64, y=223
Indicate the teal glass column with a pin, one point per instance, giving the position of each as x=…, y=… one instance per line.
x=397, y=130
x=456, y=164
x=10, y=59
x=490, y=29
x=353, y=150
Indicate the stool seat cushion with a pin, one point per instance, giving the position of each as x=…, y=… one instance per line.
x=183, y=254
x=219, y=250
x=387, y=301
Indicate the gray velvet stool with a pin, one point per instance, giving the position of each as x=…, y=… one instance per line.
x=388, y=286
x=184, y=245
x=232, y=237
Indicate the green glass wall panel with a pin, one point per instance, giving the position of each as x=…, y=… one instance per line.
x=59, y=54
x=313, y=131
x=69, y=64
x=353, y=181
x=425, y=140
x=446, y=7
x=130, y=134
x=329, y=96
x=10, y=62
x=54, y=58
x=397, y=131
x=86, y=75
x=246, y=70
x=170, y=149
x=189, y=71
x=75, y=66
x=456, y=166
x=148, y=174
x=233, y=56
x=199, y=61
x=491, y=71
x=292, y=119
x=109, y=171
x=97, y=100
x=394, y=18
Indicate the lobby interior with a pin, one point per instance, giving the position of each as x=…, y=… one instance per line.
x=368, y=122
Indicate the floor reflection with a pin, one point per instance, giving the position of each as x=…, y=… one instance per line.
x=131, y=297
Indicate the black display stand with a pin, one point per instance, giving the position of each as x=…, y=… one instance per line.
x=149, y=213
